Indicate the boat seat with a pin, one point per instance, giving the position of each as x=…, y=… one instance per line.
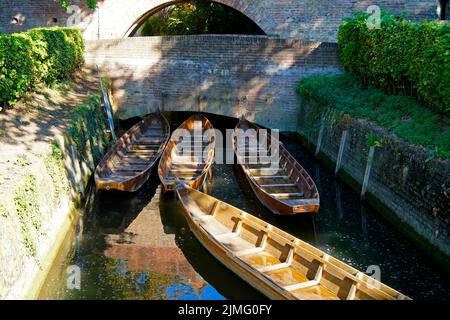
x=235, y=244
x=259, y=260
x=286, y=276
x=214, y=227
x=317, y=292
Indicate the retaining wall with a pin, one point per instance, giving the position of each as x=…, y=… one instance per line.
x=407, y=185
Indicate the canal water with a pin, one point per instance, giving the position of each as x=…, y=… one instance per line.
x=139, y=246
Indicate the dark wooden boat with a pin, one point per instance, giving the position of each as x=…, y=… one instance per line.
x=274, y=262
x=277, y=179
x=128, y=165
x=181, y=161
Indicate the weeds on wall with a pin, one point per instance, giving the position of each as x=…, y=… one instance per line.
x=27, y=207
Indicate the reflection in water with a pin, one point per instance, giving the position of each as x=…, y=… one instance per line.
x=139, y=246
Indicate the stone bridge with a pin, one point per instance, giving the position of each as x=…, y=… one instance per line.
x=315, y=20
x=228, y=75
x=224, y=74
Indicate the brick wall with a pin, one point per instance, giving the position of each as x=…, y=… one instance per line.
x=232, y=75
x=315, y=20
x=414, y=188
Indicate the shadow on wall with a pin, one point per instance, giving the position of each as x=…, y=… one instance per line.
x=229, y=75
x=305, y=19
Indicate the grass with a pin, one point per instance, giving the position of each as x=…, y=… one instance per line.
x=404, y=116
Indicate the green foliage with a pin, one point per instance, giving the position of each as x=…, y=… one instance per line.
x=55, y=167
x=198, y=17
x=402, y=57
x=27, y=207
x=44, y=54
x=404, y=116
x=92, y=4
x=87, y=128
x=64, y=48
x=18, y=72
x=372, y=140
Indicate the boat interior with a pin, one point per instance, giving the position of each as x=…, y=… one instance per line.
x=189, y=151
x=272, y=168
x=295, y=268
x=135, y=151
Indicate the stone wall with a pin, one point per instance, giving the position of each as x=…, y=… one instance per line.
x=315, y=20
x=39, y=211
x=225, y=75
x=406, y=184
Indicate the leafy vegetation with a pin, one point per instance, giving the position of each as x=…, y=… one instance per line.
x=66, y=3
x=38, y=55
x=55, y=167
x=198, y=17
x=26, y=202
x=402, y=57
x=404, y=116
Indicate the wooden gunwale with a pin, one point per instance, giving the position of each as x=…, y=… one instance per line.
x=125, y=169
x=361, y=286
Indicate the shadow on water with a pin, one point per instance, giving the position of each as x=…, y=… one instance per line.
x=212, y=271
x=139, y=246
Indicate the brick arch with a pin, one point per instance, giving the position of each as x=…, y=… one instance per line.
x=314, y=20
x=119, y=18
x=236, y=5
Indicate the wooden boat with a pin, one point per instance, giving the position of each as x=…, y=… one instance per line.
x=272, y=261
x=128, y=165
x=277, y=179
x=189, y=154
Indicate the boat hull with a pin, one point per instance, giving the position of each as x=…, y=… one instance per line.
x=105, y=177
x=272, y=261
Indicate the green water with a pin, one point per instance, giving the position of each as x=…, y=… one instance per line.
x=139, y=246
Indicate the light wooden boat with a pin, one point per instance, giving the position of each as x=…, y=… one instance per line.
x=189, y=154
x=128, y=165
x=278, y=180
x=272, y=261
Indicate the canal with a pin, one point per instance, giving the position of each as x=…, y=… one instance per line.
x=139, y=246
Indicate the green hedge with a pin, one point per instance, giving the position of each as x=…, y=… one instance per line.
x=38, y=55
x=402, y=57
x=404, y=116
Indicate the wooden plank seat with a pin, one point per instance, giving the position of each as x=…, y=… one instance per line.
x=177, y=162
x=261, y=167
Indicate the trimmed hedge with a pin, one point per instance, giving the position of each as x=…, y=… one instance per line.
x=404, y=116
x=38, y=55
x=402, y=57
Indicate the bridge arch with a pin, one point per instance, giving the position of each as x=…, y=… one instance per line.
x=137, y=24
x=120, y=18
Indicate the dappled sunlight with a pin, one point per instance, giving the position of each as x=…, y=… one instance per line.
x=222, y=74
